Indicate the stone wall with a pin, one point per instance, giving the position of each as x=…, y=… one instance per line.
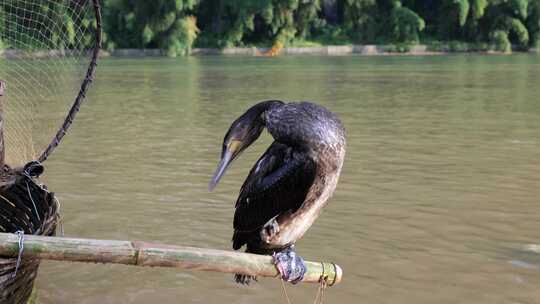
x=331, y=50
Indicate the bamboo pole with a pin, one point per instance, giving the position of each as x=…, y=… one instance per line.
x=149, y=254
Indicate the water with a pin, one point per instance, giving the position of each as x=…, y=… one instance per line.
x=438, y=194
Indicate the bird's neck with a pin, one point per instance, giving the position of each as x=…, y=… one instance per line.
x=263, y=107
x=303, y=133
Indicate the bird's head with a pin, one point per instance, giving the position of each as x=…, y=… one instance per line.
x=242, y=133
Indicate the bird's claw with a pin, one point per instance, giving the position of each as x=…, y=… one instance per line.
x=270, y=230
x=244, y=279
x=291, y=267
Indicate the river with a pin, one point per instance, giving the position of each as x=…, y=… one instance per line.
x=439, y=192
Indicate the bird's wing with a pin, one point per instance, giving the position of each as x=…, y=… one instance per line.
x=279, y=182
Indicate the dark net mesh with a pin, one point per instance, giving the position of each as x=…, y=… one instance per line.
x=46, y=47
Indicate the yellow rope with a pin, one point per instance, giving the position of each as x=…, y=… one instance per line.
x=285, y=291
x=319, y=299
x=322, y=286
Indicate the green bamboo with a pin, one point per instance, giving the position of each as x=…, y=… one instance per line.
x=149, y=254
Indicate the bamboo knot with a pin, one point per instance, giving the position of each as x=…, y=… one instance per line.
x=138, y=247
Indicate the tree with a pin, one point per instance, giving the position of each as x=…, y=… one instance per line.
x=405, y=24
x=360, y=19
x=165, y=24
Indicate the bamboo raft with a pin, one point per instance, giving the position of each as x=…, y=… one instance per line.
x=148, y=254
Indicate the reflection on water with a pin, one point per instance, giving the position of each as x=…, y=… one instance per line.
x=440, y=181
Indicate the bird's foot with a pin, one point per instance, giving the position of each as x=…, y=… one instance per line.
x=270, y=230
x=290, y=266
x=244, y=279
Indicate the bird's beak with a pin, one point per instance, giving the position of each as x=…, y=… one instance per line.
x=228, y=156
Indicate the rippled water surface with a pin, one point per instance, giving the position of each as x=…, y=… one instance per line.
x=439, y=193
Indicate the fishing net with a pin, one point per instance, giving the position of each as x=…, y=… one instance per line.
x=48, y=52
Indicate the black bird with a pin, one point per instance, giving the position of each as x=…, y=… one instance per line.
x=289, y=185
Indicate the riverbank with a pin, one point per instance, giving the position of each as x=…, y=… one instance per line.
x=331, y=50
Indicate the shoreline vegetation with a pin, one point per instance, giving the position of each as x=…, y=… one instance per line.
x=182, y=27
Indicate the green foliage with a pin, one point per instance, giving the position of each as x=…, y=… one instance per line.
x=183, y=34
x=397, y=48
x=165, y=24
x=2, y=22
x=52, y=25
x=463, y=7
x=519, y=7
x=173, y=25
x=232, y=22
x=307, y=17
x=500, y=42
x=281, y=20
x=331, y=35
x=458, y=46
x=405, y=25
x=478, y=7
x=520, y=31
x=226, y=23
x=359, y=19
x=533, y=23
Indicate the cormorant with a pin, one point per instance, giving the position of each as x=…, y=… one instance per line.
x=289, y=185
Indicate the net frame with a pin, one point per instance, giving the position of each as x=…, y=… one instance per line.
x=81, y=96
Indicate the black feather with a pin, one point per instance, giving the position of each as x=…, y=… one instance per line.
x=278, y=183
